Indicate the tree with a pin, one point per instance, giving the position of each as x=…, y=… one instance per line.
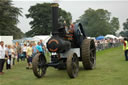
x=9, y=18
x=124, y=33
x=42, y=19
x=114, y=24
x=125, y=25
x=98, y=22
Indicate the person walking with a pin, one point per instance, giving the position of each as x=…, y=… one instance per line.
x=18, y=49
x=34, y=50
x=24, y=49
x=29, y=57
x=41, y=51
x=13, y=55
x=125, y=48
x=2, y=57
x=42, y=44
x=6, y=54
x=9, y=54
x=39, y=48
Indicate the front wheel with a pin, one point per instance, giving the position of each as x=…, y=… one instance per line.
x=72, y=65
x=39, y=65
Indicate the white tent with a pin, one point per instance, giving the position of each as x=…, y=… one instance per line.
x=7, y=39
x=120, y=37
x=91, y=38
x=45, y=38
x=111, y=36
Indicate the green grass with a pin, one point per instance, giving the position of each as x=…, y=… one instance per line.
x=111, y=69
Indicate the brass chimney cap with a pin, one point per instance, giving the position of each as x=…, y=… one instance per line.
x=54, y=5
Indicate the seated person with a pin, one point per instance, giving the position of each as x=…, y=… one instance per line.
x=70, y=32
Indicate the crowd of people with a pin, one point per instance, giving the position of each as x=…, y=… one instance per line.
x=9, y=54
x=107, y=43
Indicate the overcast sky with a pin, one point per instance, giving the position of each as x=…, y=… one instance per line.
x=118, y=8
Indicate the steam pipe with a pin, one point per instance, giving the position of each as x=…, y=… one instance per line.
x=55, y=18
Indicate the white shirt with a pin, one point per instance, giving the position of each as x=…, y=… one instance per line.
x=10, y=51
x=2, y=52
x=24, y=49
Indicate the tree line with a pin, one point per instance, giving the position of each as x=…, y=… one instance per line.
x=99, y=22
x=42, y=19
x=9, y=19
x=95, y=22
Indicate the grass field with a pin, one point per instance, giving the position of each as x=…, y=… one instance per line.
x=111, y=69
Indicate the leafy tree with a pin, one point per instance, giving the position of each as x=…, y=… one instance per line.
x=114, y=24
x=42, y=19
x=125, y=25
x=124, y=33
x=9, y=18
x=98, y=22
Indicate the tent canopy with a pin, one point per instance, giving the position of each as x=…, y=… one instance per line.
x=111, y=36
x=45, y=38
x=120, y=37
x=100, y=38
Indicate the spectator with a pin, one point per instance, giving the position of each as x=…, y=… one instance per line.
x=34, y=50
x=98, y=45
x=111, y=42
x=106, y=43
x=29, y=57
x=125, y=48
x=24, y=50
x=6, y=56
x=41, y=51
x=28, y=43
x=13, y=55
x=39, y=48
x=42, y=44
x=18, y=49
x=9, y=54
x=2, y=57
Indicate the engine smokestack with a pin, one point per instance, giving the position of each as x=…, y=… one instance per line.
x=55, y=18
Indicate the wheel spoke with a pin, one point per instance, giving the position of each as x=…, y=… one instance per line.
x=74, y=68
x=92, y=58
x=75, y=65
x=92, y=50
x=38, y=70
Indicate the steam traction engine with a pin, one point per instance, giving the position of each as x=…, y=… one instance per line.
x=66, y=49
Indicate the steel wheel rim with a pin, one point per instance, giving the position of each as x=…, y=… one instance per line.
x=92, y=52
x=75, y=66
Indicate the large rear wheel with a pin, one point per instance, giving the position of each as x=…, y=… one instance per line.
x=39, y=65
x=72, y=65
x=88, y=54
